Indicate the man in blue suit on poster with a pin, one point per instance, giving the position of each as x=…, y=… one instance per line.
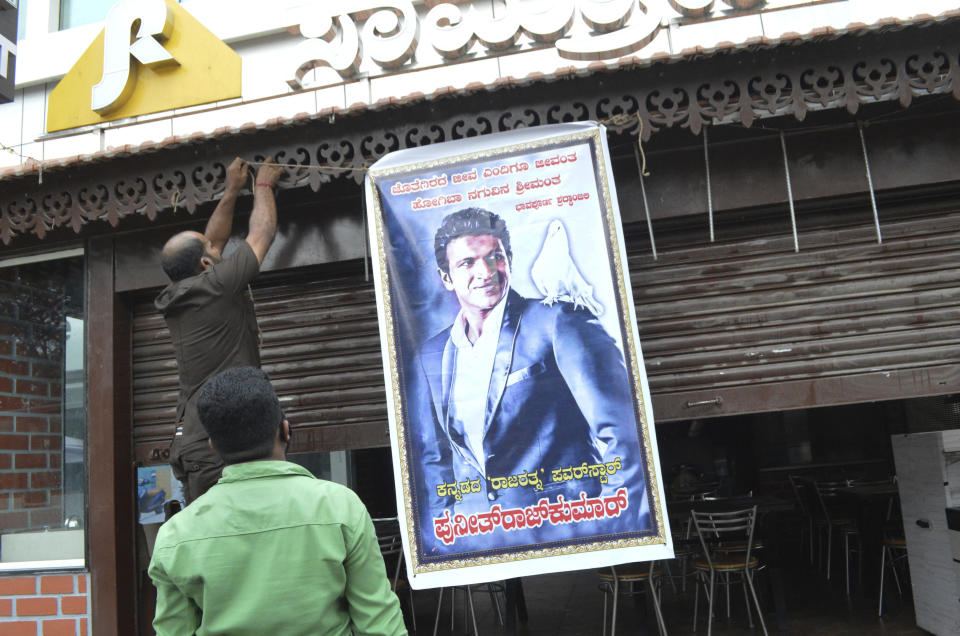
x=526, y=400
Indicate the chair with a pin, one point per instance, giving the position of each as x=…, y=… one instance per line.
x=800, y=493
x=685, y=548
x=613, y=579
x=886, y=482
x=391, y=548
x=894, y=549
x=494, y=589
x=839, y=520
x=684, y=551
x=714, y=528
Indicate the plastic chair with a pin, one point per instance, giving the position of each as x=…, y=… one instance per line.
x=714, y=528
x=613, y=579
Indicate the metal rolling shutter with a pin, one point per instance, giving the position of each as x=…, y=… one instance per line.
x=750, y=325
x=320, y=346
x=735, y=327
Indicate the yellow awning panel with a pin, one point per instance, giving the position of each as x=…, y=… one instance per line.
x=207, y=70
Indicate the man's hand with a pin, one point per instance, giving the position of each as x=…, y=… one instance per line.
x=269, y=173
x=221, y=221
x=237, y=175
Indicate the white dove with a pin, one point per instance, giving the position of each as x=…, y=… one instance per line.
x=556, y=275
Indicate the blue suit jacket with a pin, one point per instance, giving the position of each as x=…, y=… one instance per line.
x=558, y=387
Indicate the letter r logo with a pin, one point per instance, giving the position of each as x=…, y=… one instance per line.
x=151, y=56
x=153, y=22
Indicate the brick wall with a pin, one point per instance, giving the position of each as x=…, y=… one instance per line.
x=44, y=605
x=31, y=425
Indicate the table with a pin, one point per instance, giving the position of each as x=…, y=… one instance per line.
x=764, y=503
x=871, y=491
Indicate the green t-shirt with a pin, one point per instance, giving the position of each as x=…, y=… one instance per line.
x=272, y=550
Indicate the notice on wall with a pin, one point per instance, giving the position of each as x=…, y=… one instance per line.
x=519, y=412
x=156, y=485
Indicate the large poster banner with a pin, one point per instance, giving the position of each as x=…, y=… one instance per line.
x=520, y=417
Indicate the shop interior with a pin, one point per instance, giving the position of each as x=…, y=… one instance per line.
x=716, y=460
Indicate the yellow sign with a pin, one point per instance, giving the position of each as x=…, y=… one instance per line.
x=151, y=56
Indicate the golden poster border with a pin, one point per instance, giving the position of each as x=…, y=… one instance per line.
x=613, y=237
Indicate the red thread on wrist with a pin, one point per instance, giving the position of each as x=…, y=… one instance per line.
x=265, y=185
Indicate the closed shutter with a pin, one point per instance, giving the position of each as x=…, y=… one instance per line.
x=320, y=346
x=749, y=325
x=741, y=326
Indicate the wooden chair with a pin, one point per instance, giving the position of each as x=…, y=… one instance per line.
x=615, y=578
x=715, y=528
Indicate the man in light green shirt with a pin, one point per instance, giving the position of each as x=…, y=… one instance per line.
x=269, y=549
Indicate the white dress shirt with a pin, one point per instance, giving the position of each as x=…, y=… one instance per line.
x=471, y=377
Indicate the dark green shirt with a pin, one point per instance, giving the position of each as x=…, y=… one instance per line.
x=272, y=550
x=213, y=328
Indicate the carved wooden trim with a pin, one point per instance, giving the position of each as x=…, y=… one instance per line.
x=741, y=87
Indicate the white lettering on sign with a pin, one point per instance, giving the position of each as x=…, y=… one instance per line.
x=390, y=36
x=692, y=8
x=579, y=29
x=635, y=31
x=744, y=4
x=7, y=50
x=451, y=33
x=155, y=21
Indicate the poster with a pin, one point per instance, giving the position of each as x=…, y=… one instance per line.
x=156, y=485
x=520, y=418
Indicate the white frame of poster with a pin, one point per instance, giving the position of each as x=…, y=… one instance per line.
x=422, y=164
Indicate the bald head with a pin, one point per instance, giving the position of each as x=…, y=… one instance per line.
x=181, y=255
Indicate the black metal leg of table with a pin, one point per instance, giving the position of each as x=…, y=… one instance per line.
x=516, y=605
x=779, y=600
x=774, y=530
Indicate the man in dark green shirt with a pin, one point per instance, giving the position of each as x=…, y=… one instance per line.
x=209, y=311
x=269, y=549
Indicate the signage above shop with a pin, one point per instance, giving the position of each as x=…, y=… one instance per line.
x=393, y=35
x=151, y=56
x=8, y=48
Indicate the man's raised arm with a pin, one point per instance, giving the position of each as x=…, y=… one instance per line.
x=263, y=219
x=221, y=221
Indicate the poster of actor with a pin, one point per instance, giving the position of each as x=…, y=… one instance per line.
x=519, y=410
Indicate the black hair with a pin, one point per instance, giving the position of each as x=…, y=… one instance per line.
x=183, y=261
x=241, y=413
x=468, y=222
